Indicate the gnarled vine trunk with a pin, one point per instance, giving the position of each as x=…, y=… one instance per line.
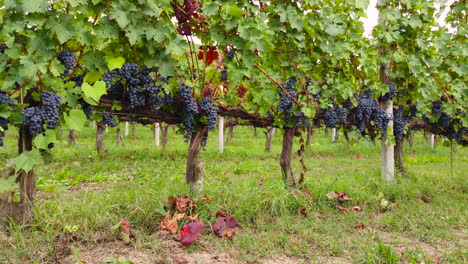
x=398, y=152
x=101, y=127
x=310, y=134
x=118, y=137
x=164, y=130
x=269, y=136
x=195, y=168
x=230, y=133
x=285, y=160
x=71, y=137
x=22, y=210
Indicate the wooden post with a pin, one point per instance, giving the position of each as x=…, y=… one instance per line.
x=221, y=134
x=433, y=141
x=333, y=135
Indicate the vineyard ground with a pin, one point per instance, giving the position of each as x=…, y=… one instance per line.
x=83, y=195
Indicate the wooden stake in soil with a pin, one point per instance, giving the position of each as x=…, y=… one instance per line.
x=126, y=129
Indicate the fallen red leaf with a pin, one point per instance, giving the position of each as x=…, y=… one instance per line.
x=342, y=209
x=221, y=214
x=361, y=226
x=183, y=203
x=206, y=198
x=190, y=233
x=356, y=208
x=225, y=227
x=193, y=218
x=260, y=182
x=303, y=212
x=343, y=197
x=170, y=223
x=358, y=156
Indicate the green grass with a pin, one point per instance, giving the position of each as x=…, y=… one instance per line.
x=90, y=192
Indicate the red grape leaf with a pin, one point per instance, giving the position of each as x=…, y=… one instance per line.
x=190, y=233
x=303, y=212
x=260, y=182
x=221, y=214
x=183, y=203
x=357, y=208
x=206, y=198
x=170, y=223
x=361, y=226
x=211, y=54
x=342, y=209
x=225, y=226
x=241, y=90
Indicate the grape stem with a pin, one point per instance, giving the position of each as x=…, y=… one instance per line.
x=277, y=83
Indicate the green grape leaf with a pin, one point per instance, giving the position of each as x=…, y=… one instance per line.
x=42, y=141
x=76, y=119
x=114, y=63
x=92, y=77
x=32, y=6
x=93, y=93
x=7, y=185
x=235, y=11
x=27, y=160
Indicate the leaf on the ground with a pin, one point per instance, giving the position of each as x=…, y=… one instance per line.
x=190, y=233
x=332, y=195
x=184, y=203
x=179, y=260
x=193, y=218
x=170, y=223
x=260, y=182
x=206, y=199
x=356, y=208
x=342, y=209
x=307, y=193
x=358, y=156
x=343, y=197
x=171, y=201
x=361, y=226
x=303, y=212
x=221, y=214
x=225, y=227
x=125, y=231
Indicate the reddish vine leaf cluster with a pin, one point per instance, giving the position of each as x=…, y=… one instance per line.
x=182, y=209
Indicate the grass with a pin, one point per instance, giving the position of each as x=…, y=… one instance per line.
x=82, y=195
